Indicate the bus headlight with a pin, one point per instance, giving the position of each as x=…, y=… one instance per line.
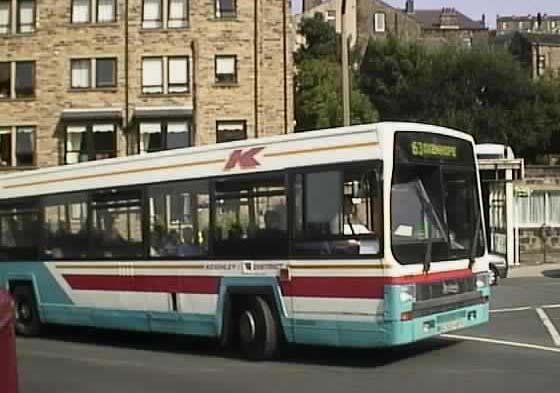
x=408, y=293
x=482, y=280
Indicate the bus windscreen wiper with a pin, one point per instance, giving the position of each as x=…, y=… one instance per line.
x=429, y=208
x=474, y=242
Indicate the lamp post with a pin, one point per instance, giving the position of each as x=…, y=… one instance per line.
x=345, y=75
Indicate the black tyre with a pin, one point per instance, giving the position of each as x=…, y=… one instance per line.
x=494, y=275
x=27, y=317
x=258, y=330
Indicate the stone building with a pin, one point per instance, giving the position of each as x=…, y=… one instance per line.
x=539, y=52
x=85, y=80
x=378, y=20
x=540, y=23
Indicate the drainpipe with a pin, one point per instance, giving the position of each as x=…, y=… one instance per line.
x=256, y=65
x=126, y=92
x=285, y=50
x=345, y=76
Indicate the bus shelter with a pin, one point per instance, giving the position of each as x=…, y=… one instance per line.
x=499, y=169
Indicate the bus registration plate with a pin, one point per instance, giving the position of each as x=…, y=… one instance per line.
x=451, y=325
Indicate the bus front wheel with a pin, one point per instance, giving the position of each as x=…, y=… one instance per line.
x=27, y=317
x=258, y=330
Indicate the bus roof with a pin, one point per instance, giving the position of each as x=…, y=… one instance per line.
x=330, y=146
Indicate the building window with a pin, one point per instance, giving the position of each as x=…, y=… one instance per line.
x=106, y=11
x=178, y=71
x=90, y=142
x=174, y=81
x=106, y=72
x=226, y=69
x=231, y=130
x=5, y=80
x=25, y=79
x=26, y=16
x=152, y=14
x=163, y=135
x=152, y=75
x=81, y=11
x=541, y=66
x=20, y=72
x=178, y=13
x=5, y=16
x=17, y=146
x=81, y=74
x=226, y=9
x=379, y=22
x=331, y=17
x=104, y=69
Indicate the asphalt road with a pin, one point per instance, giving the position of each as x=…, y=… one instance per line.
x=519, y=355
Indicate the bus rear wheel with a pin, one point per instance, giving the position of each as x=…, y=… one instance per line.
x=258, y=330
x=27, y=323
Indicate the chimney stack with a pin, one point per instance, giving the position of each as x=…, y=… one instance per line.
x=409, y=8
x=483, y=21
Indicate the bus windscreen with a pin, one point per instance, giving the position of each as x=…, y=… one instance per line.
x=434, y=200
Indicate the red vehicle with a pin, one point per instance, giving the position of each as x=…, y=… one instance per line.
x=8, y=368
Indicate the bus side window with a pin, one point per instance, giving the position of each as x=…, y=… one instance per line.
x=65, y=226
x=19, y=233
x=179, y=219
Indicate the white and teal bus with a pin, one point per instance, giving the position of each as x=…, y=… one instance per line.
x=364, y=236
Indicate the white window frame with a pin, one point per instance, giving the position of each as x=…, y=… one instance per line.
x=90, y=10
x=13, y=76
x=226, y=125
x=235, y=73
x=165, y=75
x=545, y=216
x=13, y=148
x=218, y=13
x=165, y=21
x=93, y=73
x=14, y=26
x=379, y=22
x=114, y=14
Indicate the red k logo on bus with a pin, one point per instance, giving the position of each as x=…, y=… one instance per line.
x=244, y=159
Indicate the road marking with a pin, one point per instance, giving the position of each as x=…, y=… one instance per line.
x=549, y=326
x=501, y=342
x=551, y=306
x=511, y=309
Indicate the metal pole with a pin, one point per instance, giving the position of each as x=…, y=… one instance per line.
x=345, y=68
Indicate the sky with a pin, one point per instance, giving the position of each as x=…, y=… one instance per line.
x=475, y=8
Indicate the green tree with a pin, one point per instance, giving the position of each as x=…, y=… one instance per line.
x=481, y=91
x=318, y=97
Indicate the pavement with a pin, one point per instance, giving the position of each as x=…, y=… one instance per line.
x=535, y=270
x=518, y=351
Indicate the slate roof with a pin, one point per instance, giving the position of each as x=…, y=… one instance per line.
x=430, y=19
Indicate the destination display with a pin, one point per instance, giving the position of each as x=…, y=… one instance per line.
x=422, y=147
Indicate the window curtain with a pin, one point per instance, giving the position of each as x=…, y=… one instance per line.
x=177, y=135
x=152, y=78
x=105, y=11
x=150, y=137
x=81, y=74
x=152, y=14
x=24, y=145
x=80, y=11
x=553, y=208
x=76, y=145
x=225, y=65
x=26, y=16
x=177, y=13
x=5, y=11
x=178, y=75
x=5, y=146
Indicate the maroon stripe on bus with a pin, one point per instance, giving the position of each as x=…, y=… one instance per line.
x=169, y=284
x=342, y=287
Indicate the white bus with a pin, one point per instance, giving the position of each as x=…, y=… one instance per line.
x=362, y=236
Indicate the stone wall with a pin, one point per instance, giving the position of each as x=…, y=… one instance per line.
x=532, y=241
